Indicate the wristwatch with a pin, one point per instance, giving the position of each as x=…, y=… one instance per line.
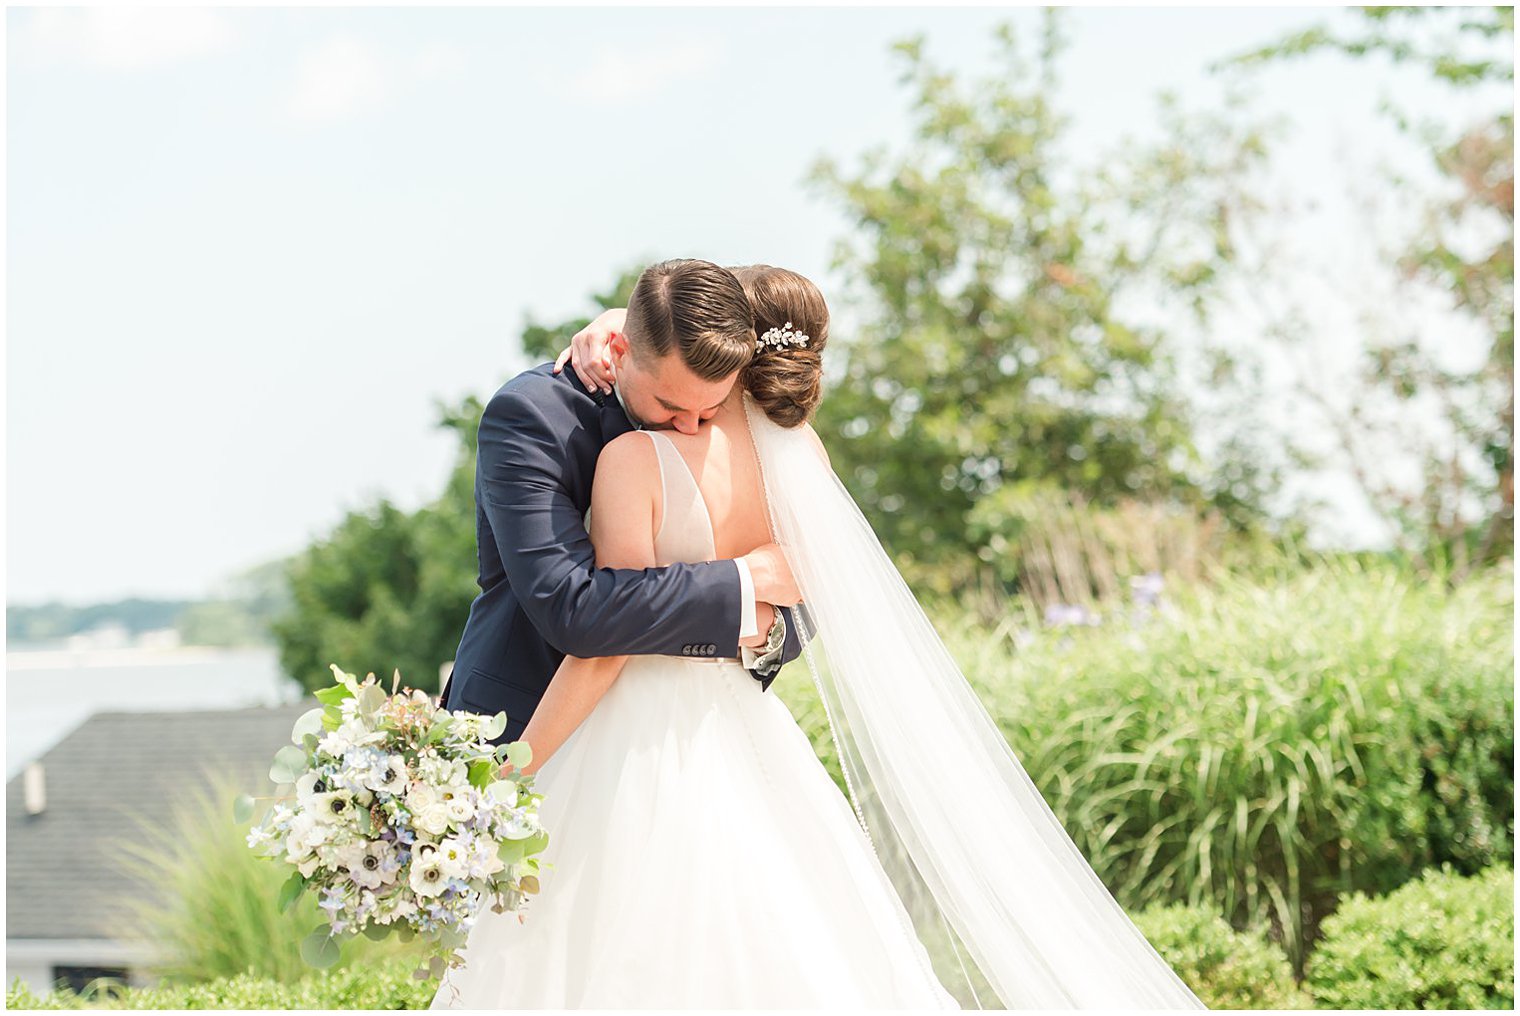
x=767, y=661
x=775, y=636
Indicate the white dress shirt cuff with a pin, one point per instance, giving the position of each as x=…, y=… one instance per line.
x=747, y=623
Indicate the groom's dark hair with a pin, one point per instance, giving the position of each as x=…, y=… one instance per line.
x=697, y=308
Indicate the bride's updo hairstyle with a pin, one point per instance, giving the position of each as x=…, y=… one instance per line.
x=786, y=381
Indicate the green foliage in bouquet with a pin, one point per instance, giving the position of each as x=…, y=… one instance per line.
x=1442, y=942
x=400, y=820
x=1227, y=969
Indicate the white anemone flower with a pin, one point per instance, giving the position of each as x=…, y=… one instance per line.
x=306, y=786
x=334, y=808
x=369, y=869
x=428, y=879
x=389, y=776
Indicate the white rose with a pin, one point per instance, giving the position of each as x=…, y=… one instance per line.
x=434, y=819
x=460, y=809
x=421, y=797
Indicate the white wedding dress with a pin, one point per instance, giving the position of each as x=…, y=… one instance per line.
x=699, y=854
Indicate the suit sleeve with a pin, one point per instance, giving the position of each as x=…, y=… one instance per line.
x=547, y=554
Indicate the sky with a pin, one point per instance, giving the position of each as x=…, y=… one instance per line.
x=248, y=250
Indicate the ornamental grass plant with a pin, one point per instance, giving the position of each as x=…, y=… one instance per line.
x=1264, y=744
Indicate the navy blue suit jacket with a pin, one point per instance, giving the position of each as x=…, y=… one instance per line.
x=541, y=595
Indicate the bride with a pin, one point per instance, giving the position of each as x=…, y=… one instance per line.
x=700, y=856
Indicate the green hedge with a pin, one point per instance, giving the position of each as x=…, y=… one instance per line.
x=1442, y=942
x=1270, y=745
x=387, y=985
x=1227, y=969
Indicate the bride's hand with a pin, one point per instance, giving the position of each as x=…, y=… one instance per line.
x=590, y=351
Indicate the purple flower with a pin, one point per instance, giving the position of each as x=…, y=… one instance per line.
x=1059, y=615
x=1146, y=588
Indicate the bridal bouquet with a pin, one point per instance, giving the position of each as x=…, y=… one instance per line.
x=399, y=819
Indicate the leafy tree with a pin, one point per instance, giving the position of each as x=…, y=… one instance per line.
x=388, y=589
x=993, y=356
x=1462, y=507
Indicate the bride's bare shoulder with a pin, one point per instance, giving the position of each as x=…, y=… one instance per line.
x=627, y=460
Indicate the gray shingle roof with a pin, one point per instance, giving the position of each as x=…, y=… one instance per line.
x=61, y=867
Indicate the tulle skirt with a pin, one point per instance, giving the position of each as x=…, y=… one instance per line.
x=699, y=857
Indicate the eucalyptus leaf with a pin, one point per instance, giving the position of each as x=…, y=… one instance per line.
x=291, y=891
x=529, y=883
x=320, y=949
x=242, y=809
x=366, y=821
x=504, y=791
x=289, y=764
x=376, y=932
x=310, y=722
x=512, y=851
x=493, y=726
x=371, y=699
x=519, y=753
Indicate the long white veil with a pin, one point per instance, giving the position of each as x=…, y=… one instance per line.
x=1006, y=905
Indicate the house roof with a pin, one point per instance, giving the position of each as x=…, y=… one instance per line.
x=62, y=867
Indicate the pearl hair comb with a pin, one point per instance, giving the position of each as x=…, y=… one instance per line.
x=779, y=338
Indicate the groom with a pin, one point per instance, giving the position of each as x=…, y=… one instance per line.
x=689, y=331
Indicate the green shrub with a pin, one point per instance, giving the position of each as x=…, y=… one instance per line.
x=1270, y=744
x=1442, y=942
x=1227, y=969
x=387, y=985
x=210, y=910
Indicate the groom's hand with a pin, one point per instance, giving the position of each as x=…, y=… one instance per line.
x=772, y=576
x=590, y=351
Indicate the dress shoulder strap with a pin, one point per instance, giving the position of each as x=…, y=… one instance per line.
x=685, y=532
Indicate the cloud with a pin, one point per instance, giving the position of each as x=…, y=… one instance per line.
x=348, y=76
x=634, y=76
x=122, y=38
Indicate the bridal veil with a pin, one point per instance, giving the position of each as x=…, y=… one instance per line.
x=1008, y=908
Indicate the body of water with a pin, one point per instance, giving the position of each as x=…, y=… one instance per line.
x=50, y=691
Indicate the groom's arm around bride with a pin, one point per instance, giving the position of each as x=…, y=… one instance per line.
x=542, y=596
